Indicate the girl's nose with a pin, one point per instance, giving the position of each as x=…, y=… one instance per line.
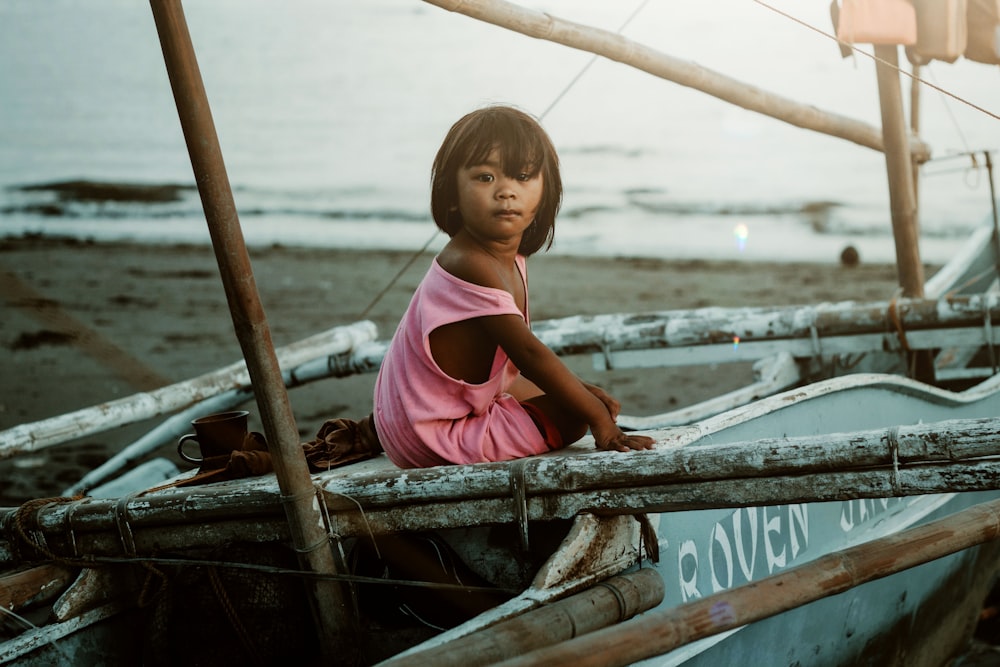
x=505, y=191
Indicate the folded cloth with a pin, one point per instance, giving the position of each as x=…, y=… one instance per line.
x=252, y=458
x=338, y=442
x=342, y=441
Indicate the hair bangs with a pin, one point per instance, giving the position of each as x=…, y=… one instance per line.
x=521, y=146
x=518, y=147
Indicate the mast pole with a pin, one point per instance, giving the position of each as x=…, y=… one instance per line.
x=914, y=133
x=328, y=600
x=898, y=160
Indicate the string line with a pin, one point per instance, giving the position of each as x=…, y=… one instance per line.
x=413, y=258
x=879, y=60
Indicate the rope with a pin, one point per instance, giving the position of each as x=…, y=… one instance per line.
x=566, y=89
x=147, y=593
x=892, y=436
x=303, y=574
x=399, y=274
x=988, y=333
x=31, y=508
x=232, y=616
x=897, y=322
x=329, y=521
x=519, y=495
x=124, y=527
x=413, y=257
x=954, y=121
x=879, y=60
x=970, y=281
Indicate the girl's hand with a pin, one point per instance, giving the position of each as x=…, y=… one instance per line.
x=620, y=442
x=613, y=406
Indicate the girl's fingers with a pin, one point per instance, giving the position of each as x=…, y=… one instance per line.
x=641, y=442
x=625, y=443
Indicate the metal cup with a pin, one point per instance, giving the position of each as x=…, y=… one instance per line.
x=216, y=435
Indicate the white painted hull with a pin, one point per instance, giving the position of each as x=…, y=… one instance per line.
x=707, y=551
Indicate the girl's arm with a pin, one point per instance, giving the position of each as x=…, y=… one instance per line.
x=541, y=366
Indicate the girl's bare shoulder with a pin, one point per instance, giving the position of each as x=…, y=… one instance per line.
x=471, y=265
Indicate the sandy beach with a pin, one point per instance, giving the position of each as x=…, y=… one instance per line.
x=84, y=323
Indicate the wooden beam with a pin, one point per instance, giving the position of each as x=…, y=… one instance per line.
x=35, y=584
x=105, y=416
x=951, y=456
x=658, y=632
x=616, y=47
x=899, y=166
x=329, y=601
x=612, y=601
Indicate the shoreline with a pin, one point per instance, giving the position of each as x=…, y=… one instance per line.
x=88, y=322
x=714, y=242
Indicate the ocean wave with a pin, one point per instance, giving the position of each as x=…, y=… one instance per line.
x=94, y=203
x=116, y=200
x=605, y=150
x=106, y=191
x=644, y=200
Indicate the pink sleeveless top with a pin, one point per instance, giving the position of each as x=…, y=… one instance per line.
x=425, y=417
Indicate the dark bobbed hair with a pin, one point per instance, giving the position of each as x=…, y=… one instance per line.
x=522, y=145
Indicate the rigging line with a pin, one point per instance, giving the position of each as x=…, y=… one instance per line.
x=951, y=116
x=880, y=60
x=399, y=274
x=590, y=62
x=954, y=170
x=963, y=155
x=260, y=568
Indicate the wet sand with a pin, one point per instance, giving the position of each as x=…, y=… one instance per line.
x=84, y=323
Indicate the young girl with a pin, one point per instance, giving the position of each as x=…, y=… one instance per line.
x=464, y=379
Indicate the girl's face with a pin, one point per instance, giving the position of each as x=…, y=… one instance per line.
x=494, y=206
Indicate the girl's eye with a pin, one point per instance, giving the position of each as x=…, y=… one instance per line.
x=523, y=177
x=485, y=178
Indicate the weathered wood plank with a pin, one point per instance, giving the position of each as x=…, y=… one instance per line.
x=952, y=456
x=37, y=584
x=660, y=631
x=48, y=432
x=618, y=48
x=584, y=334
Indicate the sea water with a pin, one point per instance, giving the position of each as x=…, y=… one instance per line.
x=329, y=113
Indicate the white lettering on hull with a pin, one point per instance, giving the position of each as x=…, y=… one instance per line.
x=751, y=542
x=754, y=542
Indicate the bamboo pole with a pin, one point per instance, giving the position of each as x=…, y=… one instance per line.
x=570, y=335
x=37, y=584
x=915, y=132
x=993, y=209
x=616, y=47
x=658, y=632
x=145, y=405
x=328, y=600
x=712, y=326
x=154, y=530
x=952, y=456
x=899, y=167
x=612, y=601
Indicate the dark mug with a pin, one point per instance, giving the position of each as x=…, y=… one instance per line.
x=217, y=435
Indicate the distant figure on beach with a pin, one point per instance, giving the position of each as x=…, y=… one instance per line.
x=849, y=256
x=464, y=379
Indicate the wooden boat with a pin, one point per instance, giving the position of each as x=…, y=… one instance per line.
x=779, y=481
x=745, y=493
